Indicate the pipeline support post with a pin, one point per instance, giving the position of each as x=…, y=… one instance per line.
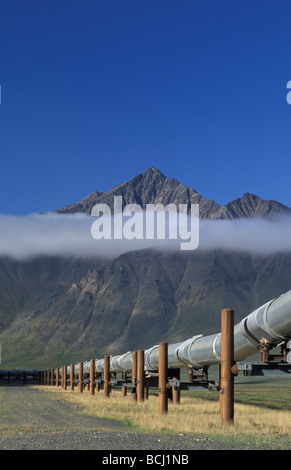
x=227, y=363
x=123, y=387
x=92, y=376
x=81, y=379
x=163, y=377
x=72, y=377
x=106, y=376
x=140, y=376
x=134, y=375
x=65, y=377
x=176, y=395
x=62, y=377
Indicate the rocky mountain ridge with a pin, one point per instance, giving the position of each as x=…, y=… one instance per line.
x=152, y=187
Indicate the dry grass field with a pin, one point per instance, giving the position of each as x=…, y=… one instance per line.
x=193, y=415
x=44, y=417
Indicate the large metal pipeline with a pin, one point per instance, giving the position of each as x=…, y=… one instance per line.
x=270, y=322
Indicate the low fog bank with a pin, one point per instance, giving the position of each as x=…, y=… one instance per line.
x=52, y=234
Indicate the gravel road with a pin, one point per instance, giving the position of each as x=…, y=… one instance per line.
x=31, y=420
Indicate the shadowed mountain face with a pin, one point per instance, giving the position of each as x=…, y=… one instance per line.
x=55, y=311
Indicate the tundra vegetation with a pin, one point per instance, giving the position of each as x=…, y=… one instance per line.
x=262, y=412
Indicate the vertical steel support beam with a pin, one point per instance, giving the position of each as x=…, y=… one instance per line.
x=92, y=376
x=123, y=387
x=52, y=377
x=81, y=378
x=106, y=376
x=175, y=391
x=98, y=383
x=65, y=377
x=140, y=376
x=176, y=395
x=163, y=377
x=72, y=377
x=227, y=361
x=134, y=375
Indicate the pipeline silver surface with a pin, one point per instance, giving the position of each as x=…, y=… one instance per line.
x=270, y=322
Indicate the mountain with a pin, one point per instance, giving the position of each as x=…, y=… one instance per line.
x=152, y=187
x=54, y=311
x=250, y=205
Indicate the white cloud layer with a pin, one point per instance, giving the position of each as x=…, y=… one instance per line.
x=24, y=237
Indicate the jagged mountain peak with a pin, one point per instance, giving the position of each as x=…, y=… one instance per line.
x=250, y=205
x=149, y=187
x=153, y=187
x=153, y=172
x=150, y=177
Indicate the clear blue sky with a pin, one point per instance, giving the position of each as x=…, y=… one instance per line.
x=94, y=92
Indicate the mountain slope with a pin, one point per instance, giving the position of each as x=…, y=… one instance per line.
x=110, y=310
